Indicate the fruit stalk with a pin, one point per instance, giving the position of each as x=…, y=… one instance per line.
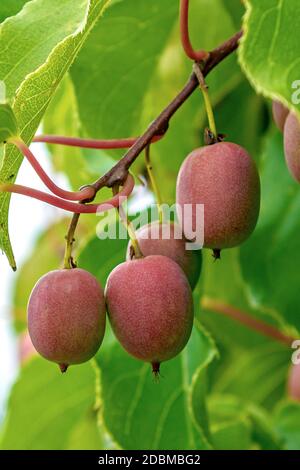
x=154, y=185
x=208, y=106
x=103, y=144
x=129, y=227
x=68, y=258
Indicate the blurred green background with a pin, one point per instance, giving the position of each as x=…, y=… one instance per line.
x=228, y=389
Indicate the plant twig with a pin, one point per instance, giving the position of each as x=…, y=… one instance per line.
x=87, y=192
x=159, y=126
x=129, y=227
x=245, y=319
x=68, y=205
x=185, y=37
x=91, y=143
x=118, y=175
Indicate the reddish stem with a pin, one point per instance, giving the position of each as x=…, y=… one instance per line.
x=72, y=206
x=91, y=143
x=245, y=319
x=84, y=194
x=185, y=37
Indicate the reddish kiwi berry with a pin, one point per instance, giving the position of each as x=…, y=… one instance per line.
x=292, y=145
x=66, y=316
x=150, y=307
x=280, y=114
x=225, y=180
x=294, y=382
x=166, y=239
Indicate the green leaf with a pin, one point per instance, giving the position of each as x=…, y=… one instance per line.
x=263, y=432
x=46, y=407
x=273, y=251
x=237, y=424
x=10, y=8
x=8, y=123
x=286, y=423
x=223, y=283
x=37, y=64
x=236, y=10
x=270, y=49
x=127, y=44
x=132, y=400
x=267, y=368
x=85, y=435
x=233, y=435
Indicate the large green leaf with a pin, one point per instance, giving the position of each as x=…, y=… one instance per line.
x=236, y=10
x=36, y=67
x=8, y=123
x=127, y=43
x=269, y=52
x=272, y=252
x=10, y=8
x=46, y=408
x=267, y=369
x=238, y=424
x=132, y=400
x=286, y=423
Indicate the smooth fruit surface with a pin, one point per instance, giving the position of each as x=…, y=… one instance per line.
x=66, y=316
x=280, y=114
x=150, y=307
x=292, y=145
x=225, y=180
x=166, y=239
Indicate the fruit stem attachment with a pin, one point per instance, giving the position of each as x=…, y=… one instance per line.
x=185, y=37
x=69, y=262
x=63, y=368
x=154, y=184
x=156, y=369
x=129, y=227
x=208, y=106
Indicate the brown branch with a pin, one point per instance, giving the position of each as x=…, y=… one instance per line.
x=159, y=126
x=245, y=319
x=118, y=174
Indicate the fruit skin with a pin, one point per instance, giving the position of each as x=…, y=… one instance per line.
x=190, y=261
x=280, y=114
x=224, y=178
x=292, y=145
x=150, y=307
x=294, y=382
x=66, y=316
